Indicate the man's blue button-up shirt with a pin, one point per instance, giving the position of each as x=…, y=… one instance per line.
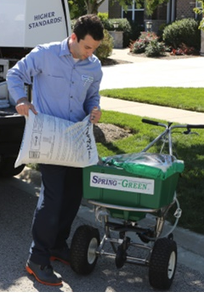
x=61, y=87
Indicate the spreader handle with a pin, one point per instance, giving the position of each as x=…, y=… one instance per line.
x=195, y=126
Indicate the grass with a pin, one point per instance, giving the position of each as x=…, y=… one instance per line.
x=189, y=148
x=181, y=98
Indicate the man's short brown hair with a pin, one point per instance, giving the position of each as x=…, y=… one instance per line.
x=89, y=24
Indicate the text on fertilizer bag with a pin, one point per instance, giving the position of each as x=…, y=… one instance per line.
x=52, y=140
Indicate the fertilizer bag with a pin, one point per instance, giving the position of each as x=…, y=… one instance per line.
x=150, y=165
x=52, y=140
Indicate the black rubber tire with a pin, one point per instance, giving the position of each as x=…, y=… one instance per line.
x=7, y=167
x=163, y=263
x=85, y=241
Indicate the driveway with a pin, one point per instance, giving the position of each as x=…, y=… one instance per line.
x=18, y=200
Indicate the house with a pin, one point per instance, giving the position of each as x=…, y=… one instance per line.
x=164, y=14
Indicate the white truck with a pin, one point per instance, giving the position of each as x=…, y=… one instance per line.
x=24, y=24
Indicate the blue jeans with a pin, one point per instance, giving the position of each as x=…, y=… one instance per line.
x=58, y=204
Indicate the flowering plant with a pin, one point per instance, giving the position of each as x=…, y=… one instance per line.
x=148, y=43
x=142, y=42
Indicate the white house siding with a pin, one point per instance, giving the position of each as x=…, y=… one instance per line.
x=104, y=7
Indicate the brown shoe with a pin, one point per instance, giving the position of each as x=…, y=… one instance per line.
x=44, y=274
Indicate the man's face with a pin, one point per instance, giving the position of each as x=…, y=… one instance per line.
x=84, y=48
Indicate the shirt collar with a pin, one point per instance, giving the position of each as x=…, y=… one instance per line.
x=64, y=48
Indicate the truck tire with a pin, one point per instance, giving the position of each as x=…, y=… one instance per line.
x=83, y=249
x=162, y=264
x=7, y=167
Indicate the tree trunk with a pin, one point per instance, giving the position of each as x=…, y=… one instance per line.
x=92, y=6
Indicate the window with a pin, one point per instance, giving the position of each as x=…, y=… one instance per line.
x=134, y=13
x=198, y=5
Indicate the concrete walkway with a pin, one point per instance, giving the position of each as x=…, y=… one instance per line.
x=151, y=111
x=142, y=71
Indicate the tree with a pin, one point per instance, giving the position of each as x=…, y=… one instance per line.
x=92, y=6
x=200, y=10
x=151, y=5
x=77, y=8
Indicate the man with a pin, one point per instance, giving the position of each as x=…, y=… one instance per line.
x=66, y=78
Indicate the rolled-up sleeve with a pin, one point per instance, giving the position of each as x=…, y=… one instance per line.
x=93, y=97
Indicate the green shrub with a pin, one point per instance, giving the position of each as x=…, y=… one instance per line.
x=123, y=25
x=142, y=42
x=148, y=43
x=155, y=49
x=139, y=46
x=183, y=31
x=106, y=46
x=103, y=16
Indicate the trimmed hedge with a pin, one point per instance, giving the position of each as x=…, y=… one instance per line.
x=106, y=46
x=183, y=31
x=131, y=30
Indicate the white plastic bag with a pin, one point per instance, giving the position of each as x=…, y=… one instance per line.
x=51, y=140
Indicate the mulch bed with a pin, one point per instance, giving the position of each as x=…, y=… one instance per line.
x=167, y=56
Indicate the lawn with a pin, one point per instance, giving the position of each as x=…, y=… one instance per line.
x=181, y=98
x=189, y=148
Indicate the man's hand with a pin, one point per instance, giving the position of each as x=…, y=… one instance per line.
x=23, y=106
x=95, y=115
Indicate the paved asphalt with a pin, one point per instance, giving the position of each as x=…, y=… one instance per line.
x=144, y=72
x=18, y=200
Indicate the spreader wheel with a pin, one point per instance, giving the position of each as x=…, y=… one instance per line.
x=162, y=264
x=83, y=249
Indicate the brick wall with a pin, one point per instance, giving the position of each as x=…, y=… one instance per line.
x=184, y=9
x=160, y=12
x=114, y=10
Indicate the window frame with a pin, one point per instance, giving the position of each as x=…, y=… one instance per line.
x=132, y=8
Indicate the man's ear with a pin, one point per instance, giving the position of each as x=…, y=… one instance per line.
x=73, y=36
